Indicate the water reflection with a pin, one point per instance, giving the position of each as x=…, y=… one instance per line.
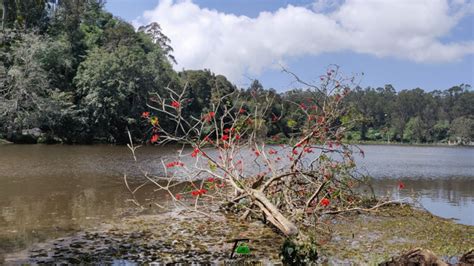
x=450, y=198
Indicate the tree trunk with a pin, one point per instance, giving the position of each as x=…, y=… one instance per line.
x=4, y=13
x=273, y=214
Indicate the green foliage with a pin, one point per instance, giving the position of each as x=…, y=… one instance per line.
x=295, y=253
x=80, y=74
x=462, y=129
x=414, y=130
x=410, y=115
x=27, y=99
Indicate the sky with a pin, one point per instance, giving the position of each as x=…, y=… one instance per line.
x=407, y=43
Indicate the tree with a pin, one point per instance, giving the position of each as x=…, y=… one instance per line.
x=227, y=160
x=113, y=86
x=415, y=130
x=23, y=14
x=154, y=31
x=462, y=129
x=27, y=99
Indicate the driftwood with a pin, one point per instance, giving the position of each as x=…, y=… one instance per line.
x=273, y=214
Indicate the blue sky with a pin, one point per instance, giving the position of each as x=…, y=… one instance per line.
x=409, y=44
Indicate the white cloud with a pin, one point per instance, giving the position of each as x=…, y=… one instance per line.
x=234, y=45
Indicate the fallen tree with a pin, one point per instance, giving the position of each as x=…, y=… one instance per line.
x=225, y=158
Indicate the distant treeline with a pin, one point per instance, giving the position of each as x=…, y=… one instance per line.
x=74, y=73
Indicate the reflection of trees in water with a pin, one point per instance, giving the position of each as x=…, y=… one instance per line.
x=459, y=191
x=33, y=217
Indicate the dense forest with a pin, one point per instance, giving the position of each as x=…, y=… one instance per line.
x=74, y=73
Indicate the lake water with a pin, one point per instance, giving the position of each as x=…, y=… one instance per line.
x=51, y=191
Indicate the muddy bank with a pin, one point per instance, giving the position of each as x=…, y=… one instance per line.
x=176, y=237
x=376, y=237
x=187, y=237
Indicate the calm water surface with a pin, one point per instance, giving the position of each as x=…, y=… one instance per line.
x=50, y=191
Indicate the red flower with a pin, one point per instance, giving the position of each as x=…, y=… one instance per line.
x=324, y=202
x=198, y=192
x=154, y=138
x=242, y=111
x=195, y=152
x=173, y=164
x=175, y=104
x=237, y=137
x=178, y=196
x=146, y=114
x=295, y=152
x=401, y=185
x=272, y=151
x=225, y=137
x=208, y=117
x=257, y=153
x=303, y=106
x=211, y=179
x=308, y=150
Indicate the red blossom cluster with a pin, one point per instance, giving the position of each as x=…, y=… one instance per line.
x=175, y=104
x=198, y=192
x=324, y=202
x=173, y=164
x=209, y=116
x=401, y=185
x=154, y=138
x=195, y=152
x=272, y=152
x=257, y=152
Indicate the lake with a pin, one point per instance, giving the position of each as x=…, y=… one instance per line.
x=51, y=191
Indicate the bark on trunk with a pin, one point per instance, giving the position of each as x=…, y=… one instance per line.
x=273, y=214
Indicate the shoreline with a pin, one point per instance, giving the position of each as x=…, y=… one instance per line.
x=367, y=238
x=371, y=143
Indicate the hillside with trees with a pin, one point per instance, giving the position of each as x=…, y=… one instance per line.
x=74, y=73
